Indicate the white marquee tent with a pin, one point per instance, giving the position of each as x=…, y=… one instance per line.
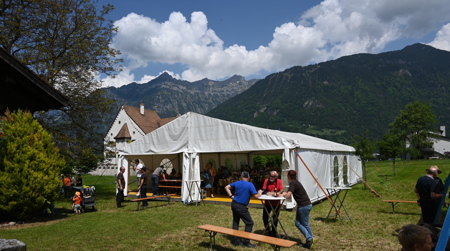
x=192, y=140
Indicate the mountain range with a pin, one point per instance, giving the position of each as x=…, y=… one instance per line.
x=169, y=96
x=335, y=100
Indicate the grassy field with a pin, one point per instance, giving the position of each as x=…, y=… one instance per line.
x=173, y=227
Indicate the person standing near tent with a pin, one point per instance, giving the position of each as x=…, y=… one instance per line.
x=155, y=179
x=143, y=187
x=138, y=168
x=208, y=176
x=272, y=187
x=243, y=190
x=428, y=199
x=67, y=187
x=79, y=181
x=120, y=187
x=304, y=207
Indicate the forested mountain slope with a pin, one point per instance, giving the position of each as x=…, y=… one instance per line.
x=343, y=98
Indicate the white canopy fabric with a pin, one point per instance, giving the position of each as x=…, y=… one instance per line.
x=193, y=134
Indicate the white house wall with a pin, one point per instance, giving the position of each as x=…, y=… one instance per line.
x=110, y=166
x=442, y=145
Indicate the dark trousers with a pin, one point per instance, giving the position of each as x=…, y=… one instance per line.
x=429, y=210
x=241, y=212
x=119, y=197
x=155, y=183
x=143, y=194
x=68, y=191
x=272, y=231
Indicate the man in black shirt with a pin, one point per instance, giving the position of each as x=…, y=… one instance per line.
x=143, y=186
x=304, y=206
x=427, y=194
x=120, y=187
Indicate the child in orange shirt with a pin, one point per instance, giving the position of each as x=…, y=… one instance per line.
x=77, y=203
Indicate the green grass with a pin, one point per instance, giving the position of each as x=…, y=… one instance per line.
x=173, y=227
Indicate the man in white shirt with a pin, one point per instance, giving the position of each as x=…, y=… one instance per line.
x=138, y=169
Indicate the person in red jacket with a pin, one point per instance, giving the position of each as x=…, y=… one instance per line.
x=272, y=187
x=77, y=203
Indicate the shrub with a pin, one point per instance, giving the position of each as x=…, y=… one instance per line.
x=30, y=166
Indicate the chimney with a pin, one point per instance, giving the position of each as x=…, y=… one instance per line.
x=142, y=109
x=443, y=131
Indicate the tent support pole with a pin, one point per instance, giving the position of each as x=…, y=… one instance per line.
x=371, y=189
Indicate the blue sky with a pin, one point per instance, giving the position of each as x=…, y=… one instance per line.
x=196, y=39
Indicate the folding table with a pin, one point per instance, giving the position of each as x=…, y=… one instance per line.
x=338, y=202
x=273, y=215
x=190, y=184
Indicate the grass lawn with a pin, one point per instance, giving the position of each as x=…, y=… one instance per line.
x=173, y=227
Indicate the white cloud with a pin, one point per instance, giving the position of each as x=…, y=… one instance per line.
x=327, y=31
x=124, y=77
x=442, y=40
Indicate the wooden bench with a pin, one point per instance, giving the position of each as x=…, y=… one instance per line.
x=139, y=200
x=276, y=243
x=169, y=188
x=395, y=202
x=179, y=187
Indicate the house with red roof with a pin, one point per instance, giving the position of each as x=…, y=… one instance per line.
x=131, y=123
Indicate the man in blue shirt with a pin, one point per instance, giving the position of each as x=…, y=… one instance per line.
x=243, y=190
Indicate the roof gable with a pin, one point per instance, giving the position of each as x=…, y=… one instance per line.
x=23, y=89
x=124, y=133
x=147, y=122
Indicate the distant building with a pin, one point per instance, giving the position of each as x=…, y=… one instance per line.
x=440, y=148
x=130, y=124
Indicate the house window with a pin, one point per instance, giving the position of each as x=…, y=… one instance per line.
x=345, y=171
x=335, y=172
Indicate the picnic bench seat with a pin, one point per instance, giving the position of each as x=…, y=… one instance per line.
x=139, y=200
x=276, y=243
x=171, y=186
x=395, y=202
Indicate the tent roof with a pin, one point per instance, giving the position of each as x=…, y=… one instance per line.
x=193, y=132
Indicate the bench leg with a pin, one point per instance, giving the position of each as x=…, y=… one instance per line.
x=139, y=205
x=393, y=206
x=212, y=239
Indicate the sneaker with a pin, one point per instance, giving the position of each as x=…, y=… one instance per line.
x=310, y=244
x=249, y=245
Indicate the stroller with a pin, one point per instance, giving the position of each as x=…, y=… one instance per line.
x=88, y=198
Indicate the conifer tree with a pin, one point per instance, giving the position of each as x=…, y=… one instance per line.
x=30, y=166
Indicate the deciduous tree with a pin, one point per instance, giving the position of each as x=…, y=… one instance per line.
x=414, y=125
x=364, y=148
x=66, y=42
x=391, y=147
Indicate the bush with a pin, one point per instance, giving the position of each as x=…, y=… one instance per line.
x=30, y=166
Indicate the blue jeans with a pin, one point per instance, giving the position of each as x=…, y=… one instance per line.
x=143, y=193
x=302, y=221
x=155, y=181
x=241, y=212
